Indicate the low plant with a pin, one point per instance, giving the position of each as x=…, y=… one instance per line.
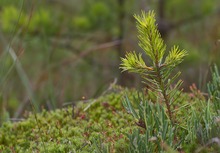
x=214, y=89
x=158, y=75
x=166, y=118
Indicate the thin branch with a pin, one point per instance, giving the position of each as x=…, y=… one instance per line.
x=75, y=58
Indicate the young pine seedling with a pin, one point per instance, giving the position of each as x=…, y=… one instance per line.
x=158, y=76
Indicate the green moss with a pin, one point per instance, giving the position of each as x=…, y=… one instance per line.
x=61, y=131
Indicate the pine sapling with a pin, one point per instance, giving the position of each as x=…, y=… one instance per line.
x=158, y=76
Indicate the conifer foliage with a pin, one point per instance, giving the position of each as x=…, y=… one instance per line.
x=158, y=75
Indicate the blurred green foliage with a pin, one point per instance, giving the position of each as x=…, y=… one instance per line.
x=42, y=21
x=81, y=23
x=10, y=17
x=61, y=46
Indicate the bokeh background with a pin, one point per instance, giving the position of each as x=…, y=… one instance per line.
x=56, y=52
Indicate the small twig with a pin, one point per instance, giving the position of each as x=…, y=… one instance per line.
x=89, y=51
x=16, y=119
x=109, y=88
x=91, y=101
x=73, y=102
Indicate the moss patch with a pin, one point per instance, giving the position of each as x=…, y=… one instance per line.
x=72, y=129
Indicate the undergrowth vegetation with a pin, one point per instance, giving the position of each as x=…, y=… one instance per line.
x=159, y=118
x=168, y=120
x=102, y=126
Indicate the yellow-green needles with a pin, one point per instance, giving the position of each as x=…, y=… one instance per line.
x=158, y=75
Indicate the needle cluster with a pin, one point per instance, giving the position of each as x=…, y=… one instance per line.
x=158, y=75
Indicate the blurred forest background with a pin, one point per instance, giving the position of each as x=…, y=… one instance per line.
x=53, y=52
